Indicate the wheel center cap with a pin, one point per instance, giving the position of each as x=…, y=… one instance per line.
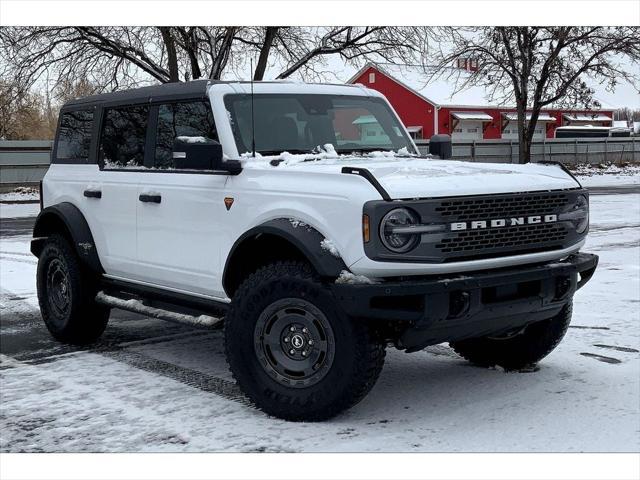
x=297, y=341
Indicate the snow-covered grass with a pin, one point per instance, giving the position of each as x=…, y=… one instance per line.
x=607, y=175
x=176, y=394
x=20, y=194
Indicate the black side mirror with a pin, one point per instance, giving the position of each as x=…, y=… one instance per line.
x=199, y=153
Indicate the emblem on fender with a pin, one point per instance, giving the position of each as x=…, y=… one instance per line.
x=503, y=222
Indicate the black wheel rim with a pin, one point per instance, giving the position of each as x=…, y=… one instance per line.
x=294, y=342
x=58, y=288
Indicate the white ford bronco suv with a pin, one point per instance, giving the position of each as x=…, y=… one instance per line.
x=304, y=218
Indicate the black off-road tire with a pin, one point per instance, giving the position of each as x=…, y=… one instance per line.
x=66, y=294
x=520, y=351
x=356, y=358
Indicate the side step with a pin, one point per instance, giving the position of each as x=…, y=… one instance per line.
x=137, y=306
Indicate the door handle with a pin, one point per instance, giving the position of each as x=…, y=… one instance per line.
x=89, y=193
x=150, y=197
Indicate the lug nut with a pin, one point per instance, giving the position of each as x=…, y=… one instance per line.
x=310, y=342
x=292, y=351
x=292, y=328
x=286, y=339
x=304, y=330
x=304, y=353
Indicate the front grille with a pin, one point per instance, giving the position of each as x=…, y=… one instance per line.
x=502, y=207
x=509, y=237
x=491, y=242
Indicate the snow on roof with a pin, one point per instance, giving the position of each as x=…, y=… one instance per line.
x=442, y=91
x=364, y=119
x=586, y=118
x=543, y=117
x=582, y=127
x=412, y=129
x=437, y=92
x=483, y=117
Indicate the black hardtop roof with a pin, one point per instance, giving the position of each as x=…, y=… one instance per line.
x=166, y=91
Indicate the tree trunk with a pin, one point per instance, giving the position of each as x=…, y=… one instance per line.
x=270, y=34
x=524, y=147
x=172, y=57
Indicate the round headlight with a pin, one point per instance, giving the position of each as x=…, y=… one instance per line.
x=391, y=230
x=582, y=206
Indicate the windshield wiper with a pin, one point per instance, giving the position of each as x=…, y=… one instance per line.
x=294, y=151
x=363, y=150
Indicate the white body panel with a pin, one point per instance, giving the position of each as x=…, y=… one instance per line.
x=179, y=238
x=112, y=218
x=182, y=243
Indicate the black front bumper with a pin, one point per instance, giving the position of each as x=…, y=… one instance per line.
x=475, y=304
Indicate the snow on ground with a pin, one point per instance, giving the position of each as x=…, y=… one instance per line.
x=14, y=210
x=610, y=175
x=172, y=392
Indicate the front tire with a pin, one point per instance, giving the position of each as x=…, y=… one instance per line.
x=292, y=351
x=66, y=294
x=518, y=351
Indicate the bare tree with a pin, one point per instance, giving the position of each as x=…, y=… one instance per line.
x=538, y=67
x=115, y=57
x=627, y=114
x=23, y=115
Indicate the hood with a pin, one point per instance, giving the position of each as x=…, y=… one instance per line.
x=412, y=177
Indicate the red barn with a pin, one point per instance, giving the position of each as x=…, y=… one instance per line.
x=427, y=108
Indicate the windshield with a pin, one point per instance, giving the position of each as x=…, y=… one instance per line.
x=301, y=123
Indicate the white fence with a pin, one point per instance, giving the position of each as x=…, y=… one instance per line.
x=26, y=162
x=565, y=150
x=23, y=162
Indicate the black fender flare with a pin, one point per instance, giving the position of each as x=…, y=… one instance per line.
x=304, y=237
x=76, y=227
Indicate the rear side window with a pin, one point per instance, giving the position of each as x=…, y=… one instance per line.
x=124, y=131
x=185, y=119
x=74, y=136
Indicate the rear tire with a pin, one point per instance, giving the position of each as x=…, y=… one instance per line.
x=292, y=351
x=520, y=351
x=66, y=294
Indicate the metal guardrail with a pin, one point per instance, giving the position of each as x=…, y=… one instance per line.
x=26, y=162
x=569, y=151
x=23, y=162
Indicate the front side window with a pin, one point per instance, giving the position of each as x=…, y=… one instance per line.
x=124, y=131
x=300, y=123
x=74, y=135
x=189, y=119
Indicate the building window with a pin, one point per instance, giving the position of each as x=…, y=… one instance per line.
x=372, y=77
x=457, y=130
x=472, y=130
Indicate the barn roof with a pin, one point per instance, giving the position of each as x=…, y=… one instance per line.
x=443, y=92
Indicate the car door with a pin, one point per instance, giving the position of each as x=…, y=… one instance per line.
x=178, y=211
x=110, y=198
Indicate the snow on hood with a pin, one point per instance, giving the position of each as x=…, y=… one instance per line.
x=404, y=175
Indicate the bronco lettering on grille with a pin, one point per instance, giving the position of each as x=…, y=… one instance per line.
x=503, y=222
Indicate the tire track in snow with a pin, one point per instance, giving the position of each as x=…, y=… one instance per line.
x=601, y=358
x=20, y=260
x=118, y=351
x=202, y=381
